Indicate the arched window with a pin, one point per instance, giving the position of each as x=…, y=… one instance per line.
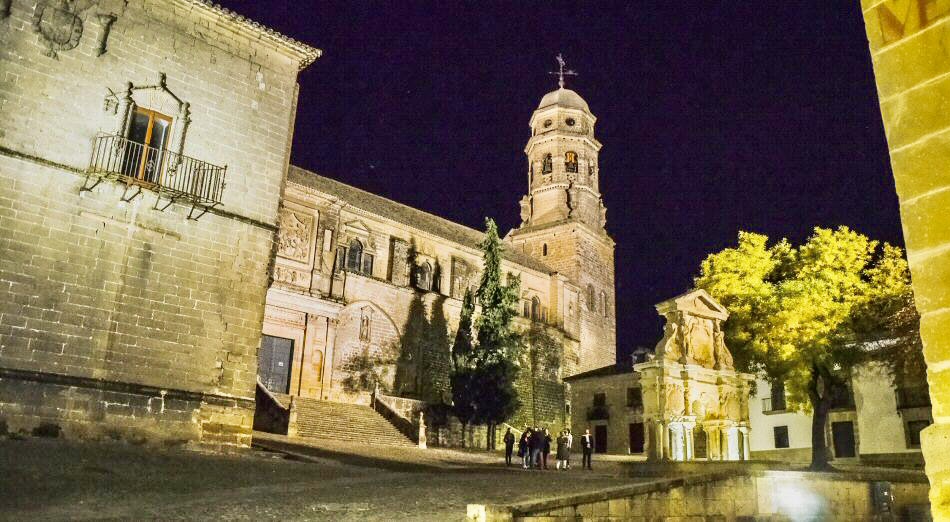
x=547, y=164
x=354, y=255
x=526, y=312
x=603, y=303
x=591, y=298
x=535, y=309
x=424, y=276
x=544, y=249
x=570, y=161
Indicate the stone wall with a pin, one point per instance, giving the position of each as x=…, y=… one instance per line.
x=908, y=42
x=119, y=318
x=768, y=495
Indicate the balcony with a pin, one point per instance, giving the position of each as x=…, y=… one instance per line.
x=172, y=175
x=773, y=406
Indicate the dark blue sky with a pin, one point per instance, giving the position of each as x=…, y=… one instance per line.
x=759, y=116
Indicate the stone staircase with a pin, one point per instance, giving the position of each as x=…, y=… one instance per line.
x=344, y=422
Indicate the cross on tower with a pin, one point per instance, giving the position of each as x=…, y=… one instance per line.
x=561, y=73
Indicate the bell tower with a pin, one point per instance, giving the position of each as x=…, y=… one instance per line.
x=563, y=219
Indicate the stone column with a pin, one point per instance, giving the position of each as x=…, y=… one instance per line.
x=328, y=355
x=908, y=42
x=744, y=430
x=688, y=438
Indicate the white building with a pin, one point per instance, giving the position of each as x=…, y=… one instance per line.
x=874, y=422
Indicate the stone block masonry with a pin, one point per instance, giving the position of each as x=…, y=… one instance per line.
x=908, y=42
x=121, y=316
x=761, y=495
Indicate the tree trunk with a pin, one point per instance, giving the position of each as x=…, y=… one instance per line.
x=464, y=432
x=818, y=393
x=489, y=437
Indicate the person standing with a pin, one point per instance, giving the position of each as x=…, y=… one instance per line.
x=537, y=439
x=524, y=447
x=509, y=446
x=545, y=447
x=587, y=445
x=570, y=445
x=562, y=451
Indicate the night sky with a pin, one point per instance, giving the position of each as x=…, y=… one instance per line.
x=760, y=116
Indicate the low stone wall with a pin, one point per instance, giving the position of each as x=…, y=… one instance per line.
x=91, y=409
x=782, y=495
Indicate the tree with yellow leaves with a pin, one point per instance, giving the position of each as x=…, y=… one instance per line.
x=804, y=316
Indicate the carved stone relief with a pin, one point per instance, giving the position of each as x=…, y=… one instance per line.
x=675, y=401
x=290, y=276
x=293, y=239
x=59, y=24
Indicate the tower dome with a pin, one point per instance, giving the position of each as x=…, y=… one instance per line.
x=565, y=98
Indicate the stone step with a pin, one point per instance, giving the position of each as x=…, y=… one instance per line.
x=340, y=421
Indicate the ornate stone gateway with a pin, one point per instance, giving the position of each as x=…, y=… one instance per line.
x=696, y=405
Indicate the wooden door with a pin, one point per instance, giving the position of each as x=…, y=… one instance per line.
x=274, y=363
x=600, y=439
x=842, y=434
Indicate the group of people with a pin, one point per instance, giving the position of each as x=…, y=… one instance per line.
x=535, y=446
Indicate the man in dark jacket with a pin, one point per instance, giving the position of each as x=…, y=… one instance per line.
x=509, y=446
x=587, y=445
x=537, y=441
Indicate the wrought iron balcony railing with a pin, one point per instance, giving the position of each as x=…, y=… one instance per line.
x=171, y=174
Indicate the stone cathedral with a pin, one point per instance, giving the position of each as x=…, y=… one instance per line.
x=365, y=284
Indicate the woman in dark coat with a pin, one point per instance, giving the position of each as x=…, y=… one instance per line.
x=563, y=452
x=523, y=451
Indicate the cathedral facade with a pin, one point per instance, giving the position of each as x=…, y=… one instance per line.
x=363, y=284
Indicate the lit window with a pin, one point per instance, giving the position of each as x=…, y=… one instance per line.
x=145, y=158
x=424, y=276
x=570, y=161
x=354, y=256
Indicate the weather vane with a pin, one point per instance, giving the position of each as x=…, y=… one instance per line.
x=561, y=73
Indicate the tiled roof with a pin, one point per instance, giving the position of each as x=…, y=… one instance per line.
x=603, y=371
x=406, y=215
x=308, y=54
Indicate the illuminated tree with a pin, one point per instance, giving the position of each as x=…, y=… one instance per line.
x=804, y=316
x=484, y=374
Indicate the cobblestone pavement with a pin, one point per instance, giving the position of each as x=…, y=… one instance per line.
x=45, y=479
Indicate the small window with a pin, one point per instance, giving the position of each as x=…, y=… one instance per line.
x=547, y=123
x=591, y=298
x=354, y=256
x=547, y=164
x=913, y=432
x=544, y=249
x=634, y=398
x=535, y=309
x=600, y=399
x=781, y=436
x=570, y=161
x=367, y=264
x=570, y=122
x=148, y=134
x=567, y=408
x=527, y=309
x=424, y=276
x=340, y=262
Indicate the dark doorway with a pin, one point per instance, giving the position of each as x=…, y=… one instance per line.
x=843, y=435
x=600, y=439
x=273, y=363
x=699, y=443
x=636, y=437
